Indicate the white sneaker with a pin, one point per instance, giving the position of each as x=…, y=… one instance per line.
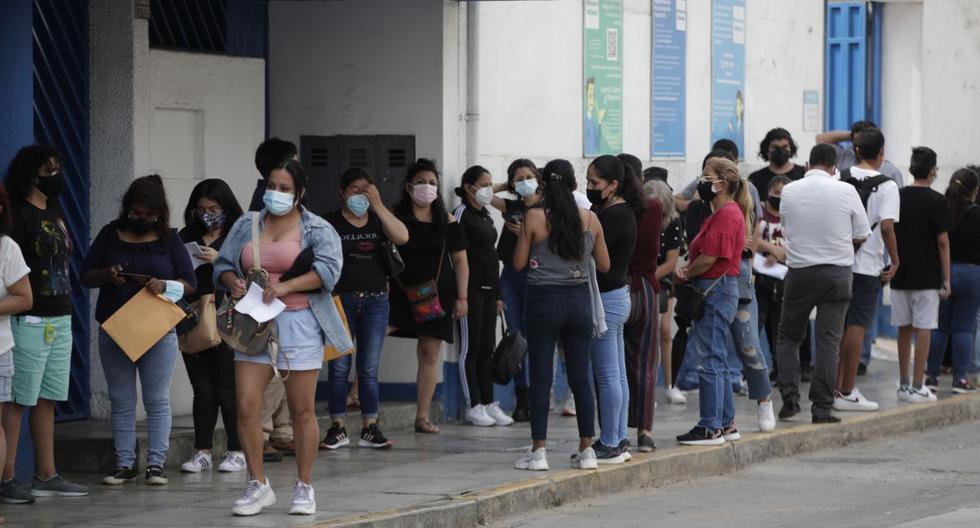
x=854, y=402
x=533, y=460
x=903, y=392
x=767, y=420
x=921, y=395
x=568, y=408
x=232, y=462
x=257, y=495
x=585, y=459
x=675, y=396
x=304, y=499
x=478, y=416
x=497, y=414
x=200, y=461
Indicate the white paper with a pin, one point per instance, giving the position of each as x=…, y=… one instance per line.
x=777, y=270
x=251, y=304
x=194, y=251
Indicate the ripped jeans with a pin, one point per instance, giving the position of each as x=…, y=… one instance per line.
x=746, y=357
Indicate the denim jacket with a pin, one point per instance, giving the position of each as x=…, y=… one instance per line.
x=328, y=260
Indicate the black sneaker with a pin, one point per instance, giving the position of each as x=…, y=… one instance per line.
x=607, y=455
x=371, y=436
x=336, y=437
x=13, y=492
x=963, y=386
x=155, y=476
x=645, y=444
x=789, y=410
x=932, y=384
x=120, y=475
x=624, y=448
x=862, y=369
x=828, y=419
x=701, y=436
x=730, y=433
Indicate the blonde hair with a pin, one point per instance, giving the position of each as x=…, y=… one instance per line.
x=738, y=188
x=658, y=190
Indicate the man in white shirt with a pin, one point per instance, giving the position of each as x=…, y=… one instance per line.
x=823, y=222
x=869, y=268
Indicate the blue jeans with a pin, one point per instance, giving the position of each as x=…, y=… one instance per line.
x=608, y=356
x=746, y=357
x=560, y=313
x=871, y=334
x=708, y=340
x=367, y=317
x=957, y=320
x=156, y=370
x=513, y=291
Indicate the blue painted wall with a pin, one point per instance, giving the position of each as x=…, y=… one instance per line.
x=16, y=81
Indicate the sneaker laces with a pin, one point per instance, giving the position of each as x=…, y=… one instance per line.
x=252, y=488
x=301, y=492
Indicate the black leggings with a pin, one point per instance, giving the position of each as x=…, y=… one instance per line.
x=212, y=375
x=478, y=331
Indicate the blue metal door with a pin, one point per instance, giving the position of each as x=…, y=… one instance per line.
x=852, y=77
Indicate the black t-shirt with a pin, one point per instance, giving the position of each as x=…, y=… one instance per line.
x=964, y=240
x=480, y=255
x=671, y=238
x=204, y=272
x=364, y=267
x=44, y=241
x=761, y=178
x=619, y=230
x=516, y=210
x=922, y=217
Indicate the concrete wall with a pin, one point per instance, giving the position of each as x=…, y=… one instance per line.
x=901, y=87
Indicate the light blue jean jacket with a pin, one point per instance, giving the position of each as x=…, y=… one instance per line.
x=328, y=258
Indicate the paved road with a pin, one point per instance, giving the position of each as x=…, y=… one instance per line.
x=927, y=480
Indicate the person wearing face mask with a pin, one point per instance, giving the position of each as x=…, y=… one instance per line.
x=41, y=358
x=211, y=211
x=523, y=180
x=302, y=256
x=478, y=328
x=777, y=148
x=139, y=244
x=364, y=225
x=435, y=251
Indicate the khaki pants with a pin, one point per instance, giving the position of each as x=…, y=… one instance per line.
x=276, y=425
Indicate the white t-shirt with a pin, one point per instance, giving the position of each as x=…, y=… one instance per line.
x=12, y=269
x=883, y=204
x=821, y=218
x=581, y=200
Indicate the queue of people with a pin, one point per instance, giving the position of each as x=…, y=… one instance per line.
x=596, y=279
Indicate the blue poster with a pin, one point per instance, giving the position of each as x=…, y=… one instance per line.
x=668, y=81
x=728, y=72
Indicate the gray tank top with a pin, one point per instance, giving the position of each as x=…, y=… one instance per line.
x=545, y=268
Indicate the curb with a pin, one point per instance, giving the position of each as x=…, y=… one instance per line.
x=485, y=506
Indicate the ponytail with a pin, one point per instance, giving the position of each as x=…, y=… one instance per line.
x=564, y=221
x=962, y=186
x=737, y=187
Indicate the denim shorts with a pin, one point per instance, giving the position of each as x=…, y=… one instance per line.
x=6, y=376
x=300, y=342
x=864, y=300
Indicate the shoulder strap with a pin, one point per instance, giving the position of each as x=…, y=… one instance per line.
x=256, y=256
x=442, y=257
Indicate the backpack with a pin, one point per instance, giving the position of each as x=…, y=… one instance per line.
x=864, y=187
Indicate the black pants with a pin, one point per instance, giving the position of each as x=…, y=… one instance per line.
x=212, y=375
x=478, y=331
x=769, y=295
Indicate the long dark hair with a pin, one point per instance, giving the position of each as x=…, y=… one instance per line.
x=521, y=163
x=962, y=185
x=217, y=191
x=403, y=209
x=6, y=217
x=148, y=191
x=610, y=168
x=22, y=173
x=469, y=177
x=564, y=222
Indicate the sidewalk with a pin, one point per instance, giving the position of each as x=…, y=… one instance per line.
x=465, y=476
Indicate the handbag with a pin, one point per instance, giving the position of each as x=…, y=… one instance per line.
x=508, y=357
x=690, y=301
x=394, y=265
x=240, y=331
x=204, y=334
x=423, y=299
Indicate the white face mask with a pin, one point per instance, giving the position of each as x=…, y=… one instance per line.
x=484, y=196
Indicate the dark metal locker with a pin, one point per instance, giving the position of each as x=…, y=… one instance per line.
x=320, y=157
x=395, y=154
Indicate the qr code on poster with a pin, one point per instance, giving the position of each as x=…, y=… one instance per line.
x=612, y=44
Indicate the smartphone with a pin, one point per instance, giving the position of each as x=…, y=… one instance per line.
x=135, y=277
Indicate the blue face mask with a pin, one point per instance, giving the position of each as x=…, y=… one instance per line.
x=278, y=203
x=358, y=204
x=526, y=188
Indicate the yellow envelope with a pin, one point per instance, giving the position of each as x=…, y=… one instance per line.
x=141, y=322
x=329, y=351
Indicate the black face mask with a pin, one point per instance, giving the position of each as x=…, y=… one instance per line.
x=705, y=191
x=52, y=185
x=779, y=156
x=774, y=202
x=595, y=196
x=139, y=226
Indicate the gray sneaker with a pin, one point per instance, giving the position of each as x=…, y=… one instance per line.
x=13, y=492
x=57, y=486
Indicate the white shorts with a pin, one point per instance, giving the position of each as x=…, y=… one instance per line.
x=919, y=308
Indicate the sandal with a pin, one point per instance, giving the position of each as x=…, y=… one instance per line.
x=422, y=425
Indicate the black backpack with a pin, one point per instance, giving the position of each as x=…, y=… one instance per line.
x=864, y=187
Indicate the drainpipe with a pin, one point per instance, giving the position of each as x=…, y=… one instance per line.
x=472, y=82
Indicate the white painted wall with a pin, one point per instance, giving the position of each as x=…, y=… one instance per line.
x=901, y=87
